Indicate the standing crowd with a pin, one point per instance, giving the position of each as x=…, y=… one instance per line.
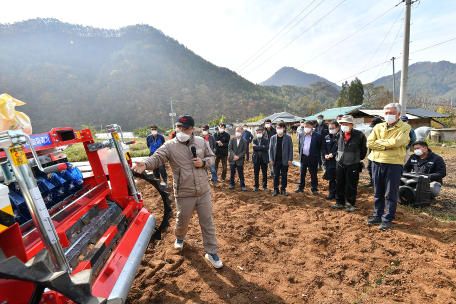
x=336, y=146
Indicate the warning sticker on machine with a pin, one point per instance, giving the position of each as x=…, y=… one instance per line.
x=43, y=214
x=18, y=156
x=115, y=135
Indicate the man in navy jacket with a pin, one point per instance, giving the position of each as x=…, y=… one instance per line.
x=329, y=153
x=309, y=144
x=154, y=141
x=248, y=137
x=260, y=159
x=280, y=157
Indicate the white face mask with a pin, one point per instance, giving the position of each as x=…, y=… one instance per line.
x=182, y=137
x=390, y=118
x=307, y=130
x=303, y=125
x=259, y=135
x=267, y=126
x=332, y=131
x=154, y=132
x=205, y=132
x=418, y=152
x=245, y=128
x=279, y=131
x=238, y=134
x=345, y=129
x=222, y=130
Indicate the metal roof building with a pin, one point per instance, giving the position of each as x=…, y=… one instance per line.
x=275, y=118
x=331, y=114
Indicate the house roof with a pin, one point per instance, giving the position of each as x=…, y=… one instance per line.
x=425, y=113
x=276, y=117
x=330, y=114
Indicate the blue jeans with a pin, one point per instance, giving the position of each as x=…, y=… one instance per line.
x=213, y=173
x=386, y=179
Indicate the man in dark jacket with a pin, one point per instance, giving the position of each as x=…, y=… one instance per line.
x=154, y=141
x=280, y=157
x=213, y=145
x=221, y=153
x=373, y=123
x=260, y=159
x=321, y=128
x=248, y=137
x=269, y=132
x=309, y=145
x=351, y=150
x=329, y=153
x=237, y=148
x=424, y=161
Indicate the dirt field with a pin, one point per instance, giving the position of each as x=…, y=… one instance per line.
x=296, y=249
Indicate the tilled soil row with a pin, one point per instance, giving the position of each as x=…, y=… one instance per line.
x=297, y=249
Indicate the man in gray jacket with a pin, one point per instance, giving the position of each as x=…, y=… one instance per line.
x=280, y=157
x=237, y=148
x=191, y=189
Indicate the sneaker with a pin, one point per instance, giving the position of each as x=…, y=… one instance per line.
x=216, y=184
x=266, y=189
x=350, y=208
x=385, y=226
x=214, y=259
x=243, y=188
x=179, y=244
x=338, y=206
x=231, y=187
x=374, y=220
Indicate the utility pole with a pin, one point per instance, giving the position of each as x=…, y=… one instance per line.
x=394, y=82
x=172, y=114
x=405, y=57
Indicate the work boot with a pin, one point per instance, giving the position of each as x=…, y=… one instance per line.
x=214, y=259
x=350, y=208
x=385, y=226
x=374, y=220
x=179, y=244
x=338, y=206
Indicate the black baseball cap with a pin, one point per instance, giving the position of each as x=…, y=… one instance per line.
x=375, y=121
x=205, y=127
x=153, y=127
x=185, y=121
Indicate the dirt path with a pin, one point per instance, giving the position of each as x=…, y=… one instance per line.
x=296, y=249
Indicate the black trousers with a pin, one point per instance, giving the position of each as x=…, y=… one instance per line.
x=224, y=160
x=347, y=184
x=313, y=169
x=280, y=170
x=240, y=170
x=160, y=171
x=331, y=177
x=260, y=164
x=369, y=168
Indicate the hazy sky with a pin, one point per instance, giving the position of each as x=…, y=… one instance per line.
x=227, y=33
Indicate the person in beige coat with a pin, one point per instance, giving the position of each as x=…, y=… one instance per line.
x=191, y=188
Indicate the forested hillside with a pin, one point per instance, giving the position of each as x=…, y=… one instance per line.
x=292, y=76
x=71, y=75
x=435, y=78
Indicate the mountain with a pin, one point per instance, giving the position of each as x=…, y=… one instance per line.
x=436, y=78
x=292, y=76
x=71, y=75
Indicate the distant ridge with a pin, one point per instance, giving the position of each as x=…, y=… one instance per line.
x=292, y=76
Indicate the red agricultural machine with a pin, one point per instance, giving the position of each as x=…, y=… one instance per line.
x=66, y=237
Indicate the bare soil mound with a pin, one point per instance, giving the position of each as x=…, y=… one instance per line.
x=297, y=249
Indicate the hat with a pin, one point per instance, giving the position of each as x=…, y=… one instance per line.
x=375, y=121
x=186, y=121
x=347, y=119
x=153, y=127
x=404, y=118
x=216, y=128
x=205, y=127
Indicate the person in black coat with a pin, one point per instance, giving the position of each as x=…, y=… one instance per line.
x=248, y=137
x=321, y=128
x=329, y=153
x=351, y=150
x=309, y=144
x=260, y=159
x=221, y=153
x=269, y=132
x=427, y=162
x=280, y=157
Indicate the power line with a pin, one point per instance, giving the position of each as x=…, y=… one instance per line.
x=341, y=40
x=296, y=37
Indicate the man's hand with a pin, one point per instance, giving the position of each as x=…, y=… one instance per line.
x=138, y=167
x=326, y=156
x=235, y=157
x=220, y=143
x=289, y=163
x=271, y=162
x=331, y=155
x=254, y=145
x=198, y=162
